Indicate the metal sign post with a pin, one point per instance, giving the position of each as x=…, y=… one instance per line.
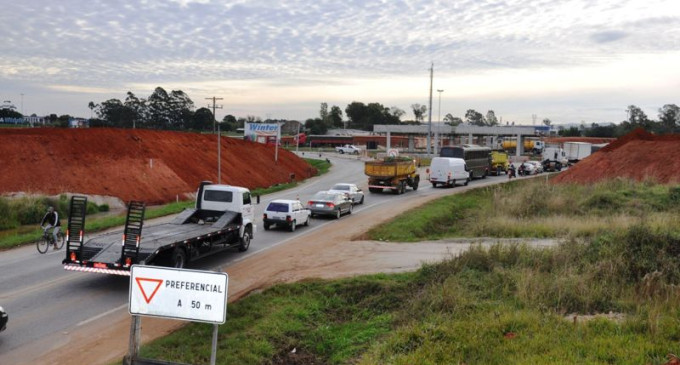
x=192, y=295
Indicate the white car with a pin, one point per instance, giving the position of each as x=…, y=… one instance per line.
x=532, y=167
x=285, y=213
x=351, y=190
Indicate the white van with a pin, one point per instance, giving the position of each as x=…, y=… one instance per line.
x=447, y=171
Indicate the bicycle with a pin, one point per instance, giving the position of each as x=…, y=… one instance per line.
x=47, y=239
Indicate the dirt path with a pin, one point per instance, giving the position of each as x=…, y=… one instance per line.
x=328, y=252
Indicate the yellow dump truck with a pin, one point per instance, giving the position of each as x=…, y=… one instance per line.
x=394, y=173
x=499, y=162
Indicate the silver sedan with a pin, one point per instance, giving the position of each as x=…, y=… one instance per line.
x=351, y=190
x=328, y=203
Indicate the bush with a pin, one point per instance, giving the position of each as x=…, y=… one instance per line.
x=7, y=217
x=104, y=208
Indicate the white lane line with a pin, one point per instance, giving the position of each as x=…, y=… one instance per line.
x=99, y=316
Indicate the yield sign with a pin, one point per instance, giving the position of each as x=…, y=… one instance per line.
x=149, y=287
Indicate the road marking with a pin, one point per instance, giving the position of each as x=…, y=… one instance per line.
x=32, y=288
x=98, y=316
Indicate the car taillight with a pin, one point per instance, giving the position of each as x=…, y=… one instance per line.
x=264, y=216
x=330, y=205
x=310, y=202
x=288, y=218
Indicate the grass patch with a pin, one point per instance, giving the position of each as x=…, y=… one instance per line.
x=504, y=304
x=536, y=208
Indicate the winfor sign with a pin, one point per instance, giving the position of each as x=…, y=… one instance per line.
x=178, y=293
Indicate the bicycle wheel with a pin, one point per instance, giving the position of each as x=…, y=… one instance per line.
x=60, y=240
x=42, y=244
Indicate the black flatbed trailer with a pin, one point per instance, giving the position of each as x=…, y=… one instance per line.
x=191, y=235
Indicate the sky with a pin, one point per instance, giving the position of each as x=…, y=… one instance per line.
x=567, y=61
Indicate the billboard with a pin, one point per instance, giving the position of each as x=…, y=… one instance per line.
x=261, y=132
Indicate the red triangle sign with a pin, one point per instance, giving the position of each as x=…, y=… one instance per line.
x=152, y=286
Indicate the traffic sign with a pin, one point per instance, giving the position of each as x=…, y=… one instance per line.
x=178, y=293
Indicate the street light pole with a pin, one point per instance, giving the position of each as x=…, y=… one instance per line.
x=276, y=146
x=439, y=122
x=429, y=110
x=219, y=154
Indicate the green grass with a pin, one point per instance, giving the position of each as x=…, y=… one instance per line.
x=537, y=208
x=502, y=305
x=38, y=206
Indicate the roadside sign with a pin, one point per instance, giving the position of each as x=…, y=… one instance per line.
x=178, y=293
x=393, y=152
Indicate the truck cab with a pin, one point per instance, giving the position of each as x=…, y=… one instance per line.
x=213, y=200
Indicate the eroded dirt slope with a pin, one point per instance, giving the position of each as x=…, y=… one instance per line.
x=149, y=165
x=639, y=156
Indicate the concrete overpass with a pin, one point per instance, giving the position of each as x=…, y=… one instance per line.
x=464, y=131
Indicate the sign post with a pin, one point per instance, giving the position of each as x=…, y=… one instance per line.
x=192, y=295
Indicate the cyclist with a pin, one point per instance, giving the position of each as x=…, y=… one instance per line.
x=50, y=220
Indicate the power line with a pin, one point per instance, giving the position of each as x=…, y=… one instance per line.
x=214, y=99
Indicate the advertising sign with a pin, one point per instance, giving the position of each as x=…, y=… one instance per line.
x=260, y=132
x=178, y=293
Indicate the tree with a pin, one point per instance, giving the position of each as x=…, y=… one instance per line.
x=419, y=112
x=323, y=113
x=396, y=112
x=451, y=120
x=571, y=132
x=203, y=120
x=230, y=123
x=669, y=117
x=491, y=119
x=115, y=113
x=316, y=126
x=547, y=122
x=364, y=116
x=336, y=117
x=474, y=117
x=138, y=108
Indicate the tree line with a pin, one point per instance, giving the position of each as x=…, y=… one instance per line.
x=175, y=110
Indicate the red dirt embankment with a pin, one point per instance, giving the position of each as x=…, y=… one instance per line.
x=638, y=155
x=149, y=165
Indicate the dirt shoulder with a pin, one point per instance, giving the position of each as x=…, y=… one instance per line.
x=326, y=252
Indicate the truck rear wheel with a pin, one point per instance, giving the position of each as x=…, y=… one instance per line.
x=245, y=240
x=416, y=182
x=179, y=258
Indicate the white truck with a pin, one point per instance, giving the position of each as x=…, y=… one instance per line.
x=576, y=151
x=349, y=149
x=222, y=219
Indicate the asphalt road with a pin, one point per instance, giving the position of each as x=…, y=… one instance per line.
x=45, y=301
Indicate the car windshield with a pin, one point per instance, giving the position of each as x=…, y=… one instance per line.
x=340, y=187
x=324, y=196
x=277, y=207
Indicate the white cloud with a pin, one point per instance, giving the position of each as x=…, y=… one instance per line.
x=272, y=53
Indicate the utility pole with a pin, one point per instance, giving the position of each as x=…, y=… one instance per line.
x=429, y=118
x=219, y=142
x=214, y=99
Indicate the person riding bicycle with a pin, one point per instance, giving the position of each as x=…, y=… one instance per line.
x=51, y=220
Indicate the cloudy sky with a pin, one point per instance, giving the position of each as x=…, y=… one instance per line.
x=569, y=61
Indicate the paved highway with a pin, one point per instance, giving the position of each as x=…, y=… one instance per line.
x=44, y=301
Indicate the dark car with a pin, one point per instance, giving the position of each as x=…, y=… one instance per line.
x=3, y=319
x=328, y=203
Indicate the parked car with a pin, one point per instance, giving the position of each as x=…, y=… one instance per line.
x=3, y=319
x=328, y=203
x=285, y=213
x=351, y=190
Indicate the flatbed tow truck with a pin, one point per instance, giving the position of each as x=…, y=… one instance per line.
x=222, y=219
